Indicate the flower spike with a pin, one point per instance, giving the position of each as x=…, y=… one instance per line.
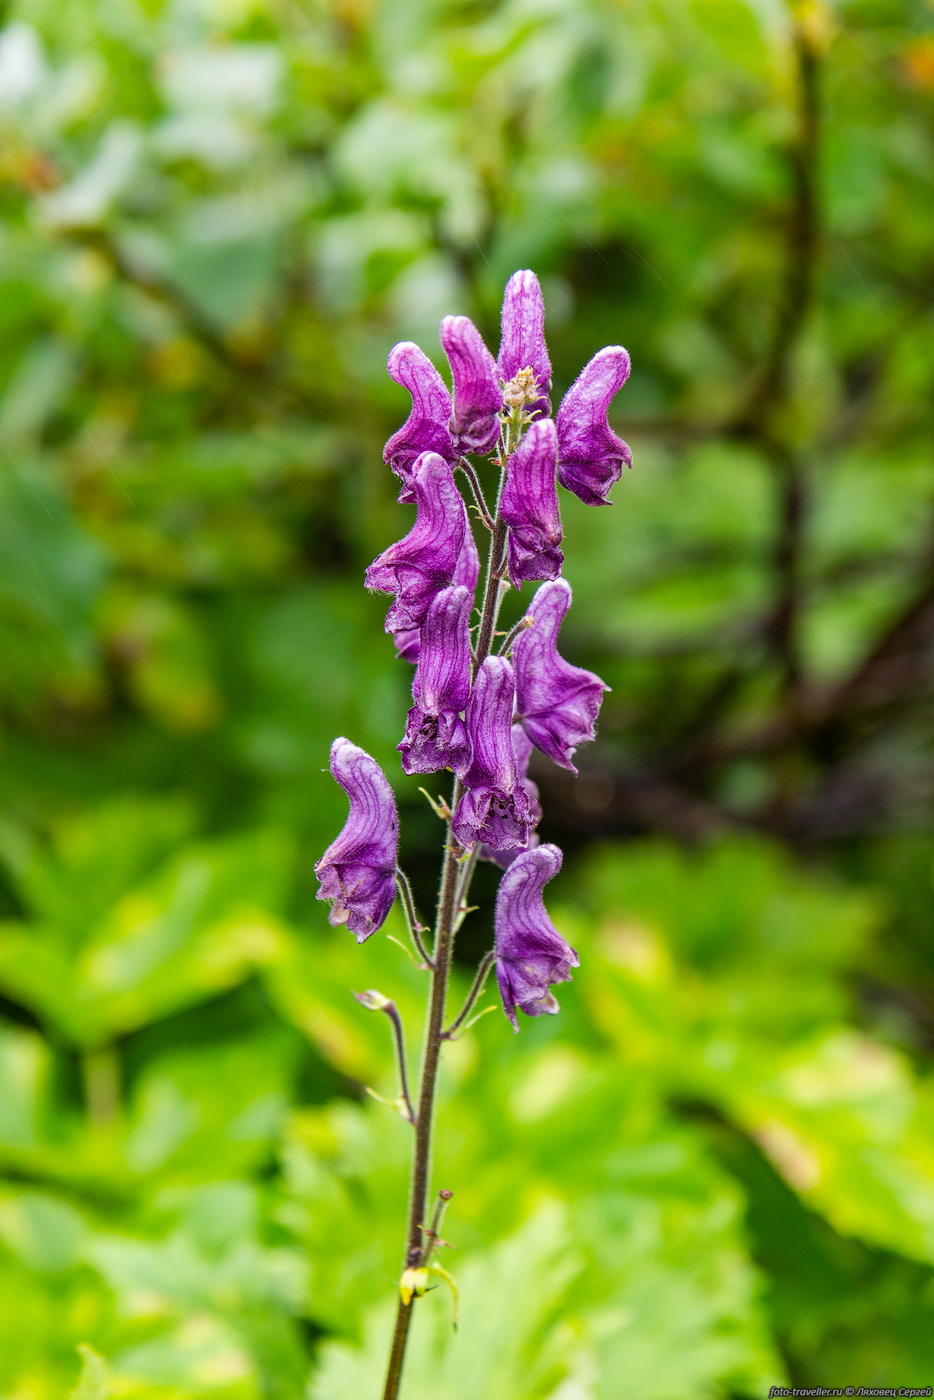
x=496, y=808
x=358, y=870
x=531, y=955
x=590, y=455
x=557, y=703
x=477, y=395
x=416, y=568
x=427, y=427
x=435, y=736
x=523, y=337
x=529, y=506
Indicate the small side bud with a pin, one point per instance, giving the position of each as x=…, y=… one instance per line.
x=373, y=1001
x=413, y=1284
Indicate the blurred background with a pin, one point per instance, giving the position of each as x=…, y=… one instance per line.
x=714, y=1171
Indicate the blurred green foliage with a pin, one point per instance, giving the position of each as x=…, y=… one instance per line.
x=714, y=1170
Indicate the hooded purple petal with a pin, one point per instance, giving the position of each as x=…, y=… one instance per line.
x=435, y=736
x=466, y=573
x=522, y=748
x=590, y=455
x=496, y=807
x=408, y=644
x=531, y=955
x=427, y=428
x=358, y=871
x=523, y=336
x=478, y=397
x=468, y=564
x=416, y=568
x=557, y=703
x=529, y=506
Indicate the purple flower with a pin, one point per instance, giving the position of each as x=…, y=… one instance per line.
x=496, y=807
x=419, y=566
x=435, y=736
x=557, y=703
x=468, y=564
x=427, y=428
x=523, y=336
x=529, y=506
x=590, y=455
x=478, y=397
x=522, y=748
x=531, y=955
x=466, y=573
x=408, y=644
x=358, y=871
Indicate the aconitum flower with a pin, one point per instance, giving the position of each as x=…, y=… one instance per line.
x=478, y=397
x=522, y=345
x=557, y=703
x=529, y=506
x=522, y=748
x=590, y=455
x=408, y=644
x=427, y=428
x=467, y=569
x=435, y=736
x=531, y=955
x=358, y=871
x=496, y=808
x=466, y=573
x=416, y=568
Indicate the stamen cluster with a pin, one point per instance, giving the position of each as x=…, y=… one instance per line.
x=476, y=710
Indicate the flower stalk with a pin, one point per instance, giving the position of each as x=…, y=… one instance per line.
x=412, y=922
x=475, y=713
x=476, y=990
x=375, y=1001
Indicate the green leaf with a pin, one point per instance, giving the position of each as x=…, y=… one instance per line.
x=199, y=925
x=94, y=1381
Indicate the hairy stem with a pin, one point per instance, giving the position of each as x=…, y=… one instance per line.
x=522, y=625
x=463, y=886
x=392, y=1011
x=433, y=1239
x=415, y=926
x=476, y=491
x=513, y=428
x=416, y=1243
x=492, y=592
x=476, y=987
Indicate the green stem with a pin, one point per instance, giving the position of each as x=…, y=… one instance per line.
x=413, y=923
x=463, y=886
x=476, y=987
x=477, y=492
x=522, y=625
x=421, y=1163
x=392, y=1011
